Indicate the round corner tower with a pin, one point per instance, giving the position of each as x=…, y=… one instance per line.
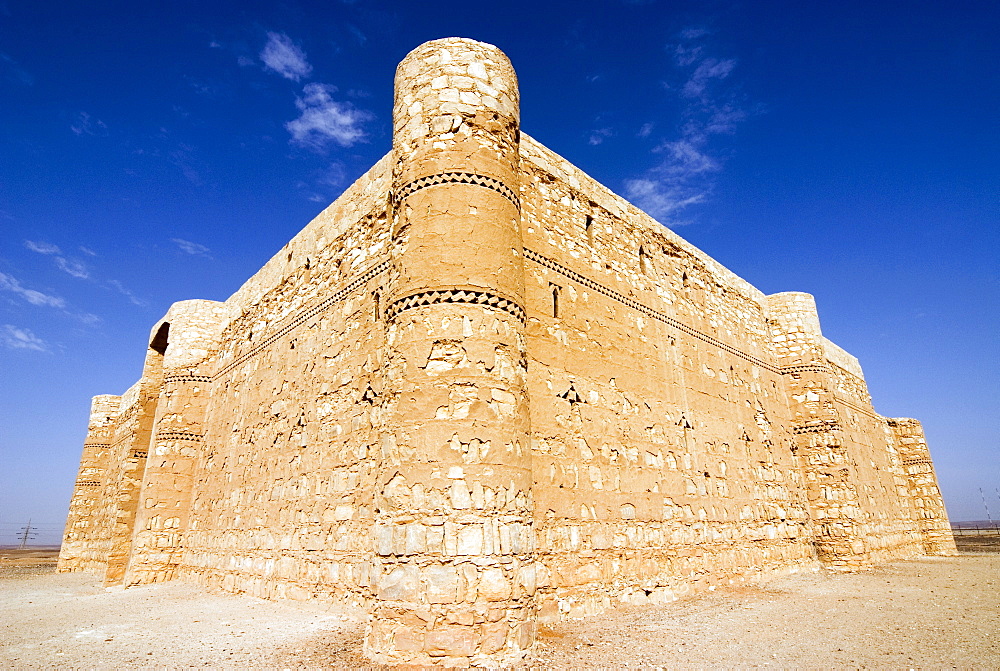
x=456, y=138
x=454, y=550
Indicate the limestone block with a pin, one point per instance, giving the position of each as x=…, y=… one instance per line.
x=454, y=641
x=402, y=583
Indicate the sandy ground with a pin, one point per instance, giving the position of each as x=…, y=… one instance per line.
x=929, y=613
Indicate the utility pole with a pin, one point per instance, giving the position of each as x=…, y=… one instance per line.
x=27, y=533
x=989, y=520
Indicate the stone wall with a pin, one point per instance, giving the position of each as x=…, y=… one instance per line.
x=480, y=390
x=661, y=442
x=922, y=487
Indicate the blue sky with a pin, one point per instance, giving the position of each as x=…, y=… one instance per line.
x=155, y=152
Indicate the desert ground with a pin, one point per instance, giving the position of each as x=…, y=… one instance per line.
x=928, y=613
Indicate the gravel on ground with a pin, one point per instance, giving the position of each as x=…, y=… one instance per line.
x=927, y=613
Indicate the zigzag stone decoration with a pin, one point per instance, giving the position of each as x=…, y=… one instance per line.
x=456, y=296
x=187, y=377
x=178, y=435
x=459, y=178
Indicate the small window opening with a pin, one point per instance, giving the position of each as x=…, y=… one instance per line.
x=555, y=299
x=684, y=280
x=289, y=257
x=307, y=263
x=160, y=340
x=377, y=299
x=588, y=227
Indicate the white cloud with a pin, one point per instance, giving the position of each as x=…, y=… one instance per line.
x=13, y=337
x=707, y=70
x=325, y=120
x=685, y=158
x=73, y=268
x=598, y=136
x=694, y=33
x=42, y=247
x=661, y=198
x=88, y=251
x=192, y=248
x=120, y=288
x=11, y=284
x=284, y=57
x=684, y=175
x=189, y=247
x=85, y=125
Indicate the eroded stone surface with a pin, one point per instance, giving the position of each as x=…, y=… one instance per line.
x=480, y=390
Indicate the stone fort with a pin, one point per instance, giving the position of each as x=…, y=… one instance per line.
x=481, y=391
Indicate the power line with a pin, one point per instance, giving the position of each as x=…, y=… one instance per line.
x=25, y=534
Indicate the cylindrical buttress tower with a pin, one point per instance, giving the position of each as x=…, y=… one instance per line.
x=78, y=547
x=185, y=339
x=454, y=545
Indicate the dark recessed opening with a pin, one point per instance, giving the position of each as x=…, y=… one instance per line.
x=160, y=342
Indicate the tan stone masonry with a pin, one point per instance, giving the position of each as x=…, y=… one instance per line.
x=481, y=391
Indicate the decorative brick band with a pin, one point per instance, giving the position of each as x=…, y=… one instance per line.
x=187, y=377
x=137, y=454
x=458, y=178
x=88, y=483
x=482, y=298
x=179, y=435
x=97, y=444
x=303, y=316
x=805, y=368
x=645, y=309
x=822, y=427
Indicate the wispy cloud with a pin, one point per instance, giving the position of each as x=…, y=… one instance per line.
x=283, y=56
x=325, y=121
x=599, y=135
x=120, y=288
x=684, y=175
x=324, y=183
x=192, y=248
x=86, y=125
x=11, y=284
x=13, y=337
x=707, y=70
x=71, y=267
x=42, y=247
